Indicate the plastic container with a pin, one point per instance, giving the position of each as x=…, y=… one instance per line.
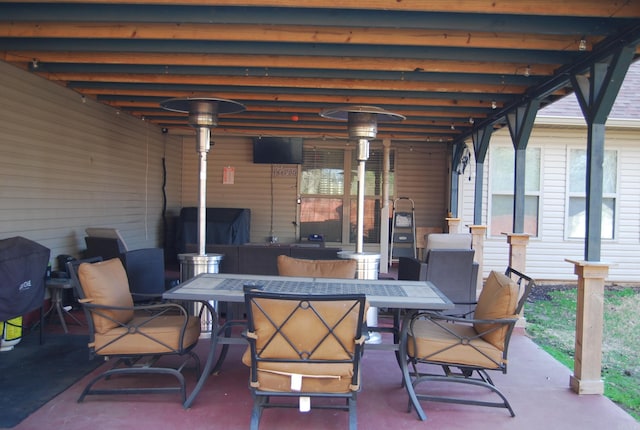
x=11, y=331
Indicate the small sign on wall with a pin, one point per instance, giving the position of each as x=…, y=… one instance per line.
x=278, y=170
x=228, y=175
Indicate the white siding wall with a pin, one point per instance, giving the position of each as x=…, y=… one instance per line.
x=66, y=165
x=546, y=254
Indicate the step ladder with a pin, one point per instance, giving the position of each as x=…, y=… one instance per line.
x=403, y=230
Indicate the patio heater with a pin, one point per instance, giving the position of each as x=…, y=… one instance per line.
x=203, y=116
x=362, y=124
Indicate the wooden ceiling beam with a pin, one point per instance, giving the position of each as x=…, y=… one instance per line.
x=318, y=99
x=296, y=117
x=407, y=65
x=294, y=34
x=286, y=82
x=598, y=8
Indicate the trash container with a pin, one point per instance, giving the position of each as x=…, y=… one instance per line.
x=368, y=267
x=192, y=265
x=10, y=333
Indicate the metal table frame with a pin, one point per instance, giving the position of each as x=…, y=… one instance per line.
x=203, y=288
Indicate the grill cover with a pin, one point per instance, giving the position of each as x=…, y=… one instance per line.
x=23, y=265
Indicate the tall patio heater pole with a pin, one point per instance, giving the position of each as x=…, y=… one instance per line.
x=363, y=125
x=203, y=116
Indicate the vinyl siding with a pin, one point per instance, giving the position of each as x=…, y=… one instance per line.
x=422, y=175
x=546, y=254
x=66, y=165
x=252, y=187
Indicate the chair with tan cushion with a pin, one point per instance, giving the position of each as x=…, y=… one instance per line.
x=341, y=269
x=304, y=347
x=464, y=347
x=136, y=336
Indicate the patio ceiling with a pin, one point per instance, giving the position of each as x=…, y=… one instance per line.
x=448, y=66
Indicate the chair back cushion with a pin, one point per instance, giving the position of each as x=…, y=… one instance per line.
x=498, y=299
x=448, y=241
x=342, y=269
x=317, y=339
x=451, y=270
x=105, y=283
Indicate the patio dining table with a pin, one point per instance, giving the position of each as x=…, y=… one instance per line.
x=212, y=289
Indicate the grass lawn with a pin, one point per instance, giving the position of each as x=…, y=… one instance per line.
x=551, y=316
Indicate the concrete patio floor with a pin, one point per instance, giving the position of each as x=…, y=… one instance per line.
x=536, y=385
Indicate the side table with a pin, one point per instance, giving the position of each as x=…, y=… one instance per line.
x=56, y=287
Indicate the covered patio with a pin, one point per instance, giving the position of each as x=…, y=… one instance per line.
x=456, y=70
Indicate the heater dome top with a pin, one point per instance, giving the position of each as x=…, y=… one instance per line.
x=342, y=113
x=186, y=105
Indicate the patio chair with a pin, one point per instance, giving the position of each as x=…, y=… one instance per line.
x=341, y=269
x=464, y=347
x=144, y=267
x=449, y=266
x=304, y=347
x=135, y=337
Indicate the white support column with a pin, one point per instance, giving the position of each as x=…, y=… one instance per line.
x=453, y=225
x=478, y=233
x=518, y=260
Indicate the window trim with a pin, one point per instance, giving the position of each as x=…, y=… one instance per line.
x=349, y=152
x=569, y=194
x=537, y=193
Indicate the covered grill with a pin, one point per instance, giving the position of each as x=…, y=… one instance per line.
x=23, y=265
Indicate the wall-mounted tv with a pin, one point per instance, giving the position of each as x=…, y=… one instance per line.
x=277, y=150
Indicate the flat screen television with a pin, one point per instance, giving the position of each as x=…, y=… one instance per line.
x=277, y=150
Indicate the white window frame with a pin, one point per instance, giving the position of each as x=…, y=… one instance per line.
x=536, y=193
x=347, y=198
x=582, y=194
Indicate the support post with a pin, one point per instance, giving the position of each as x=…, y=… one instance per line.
x=478, y=233
x=453, y=225
x=518, y=260
x=587, y=369
x=518, y=250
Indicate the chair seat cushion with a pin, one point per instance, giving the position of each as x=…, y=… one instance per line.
x=443, y=344
x=316, y=378
x=158, y=335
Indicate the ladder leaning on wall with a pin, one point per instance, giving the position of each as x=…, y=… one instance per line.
x=403, y=229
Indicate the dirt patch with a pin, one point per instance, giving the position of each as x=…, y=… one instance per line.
x=541, y=291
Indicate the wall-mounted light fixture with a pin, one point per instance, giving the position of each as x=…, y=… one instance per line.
x=582, y=46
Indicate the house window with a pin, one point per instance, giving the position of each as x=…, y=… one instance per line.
x=502, y=183
x=577, y=213
x=328, y=207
